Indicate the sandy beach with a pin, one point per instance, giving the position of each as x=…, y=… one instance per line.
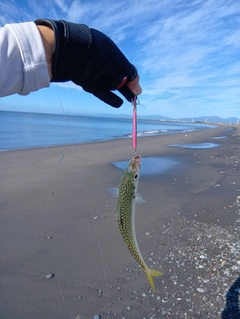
x=62, y=255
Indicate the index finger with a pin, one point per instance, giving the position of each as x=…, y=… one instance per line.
x=134, y=86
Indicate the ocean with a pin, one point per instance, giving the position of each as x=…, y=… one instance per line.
x=19, y=130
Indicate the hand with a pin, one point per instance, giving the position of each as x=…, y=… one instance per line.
x=92, y=60
x=134, y=86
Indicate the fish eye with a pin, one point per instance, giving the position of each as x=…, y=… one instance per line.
x=135, y=176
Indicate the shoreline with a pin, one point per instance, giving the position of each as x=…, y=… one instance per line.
x=41, y=134
x=57, y=218
x=141, y=135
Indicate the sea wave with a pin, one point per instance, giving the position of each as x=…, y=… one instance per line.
x=29, y=130
x=149, y=133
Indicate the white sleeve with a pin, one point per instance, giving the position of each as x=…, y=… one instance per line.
x=23, y=65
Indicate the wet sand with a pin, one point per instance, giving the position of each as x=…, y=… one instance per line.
x=56, y=217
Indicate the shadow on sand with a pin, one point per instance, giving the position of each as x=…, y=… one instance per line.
x=232, y=310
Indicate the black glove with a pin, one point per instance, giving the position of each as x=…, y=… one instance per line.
x=90, y=59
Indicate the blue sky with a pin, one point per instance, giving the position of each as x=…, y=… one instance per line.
x=186, y=52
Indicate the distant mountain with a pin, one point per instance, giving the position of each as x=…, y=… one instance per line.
x=128, y=116
x=155, y=117
x=202, y=119
x=211, y=119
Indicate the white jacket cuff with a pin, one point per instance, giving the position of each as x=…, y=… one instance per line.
x=23, y=62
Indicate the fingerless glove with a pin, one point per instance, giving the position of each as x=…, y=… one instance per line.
x=90, y=59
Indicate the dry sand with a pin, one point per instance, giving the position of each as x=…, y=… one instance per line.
x=56, y=217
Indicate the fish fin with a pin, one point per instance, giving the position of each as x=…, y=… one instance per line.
x=152, y=273
x=139, y=199
x=113, y=191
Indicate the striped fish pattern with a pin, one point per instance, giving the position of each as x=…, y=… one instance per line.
x=127, y=198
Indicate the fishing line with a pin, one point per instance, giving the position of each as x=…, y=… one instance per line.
x=58, y=281
x=88, y=201
x=134, y=125
x=54, y=248
x=65, y=116
x=97, y=236
x=91, y=209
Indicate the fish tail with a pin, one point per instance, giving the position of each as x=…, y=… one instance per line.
x=152, y=273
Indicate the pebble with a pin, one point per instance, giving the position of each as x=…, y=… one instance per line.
x=213, y=247
x=201, y=290
x=234, y=267
x=97, y=317
x=48, y=276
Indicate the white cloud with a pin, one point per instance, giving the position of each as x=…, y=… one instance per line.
x=187, y=52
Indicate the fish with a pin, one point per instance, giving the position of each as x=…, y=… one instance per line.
x=127, y=198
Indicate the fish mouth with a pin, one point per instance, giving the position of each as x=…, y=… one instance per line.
x=135, y=162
